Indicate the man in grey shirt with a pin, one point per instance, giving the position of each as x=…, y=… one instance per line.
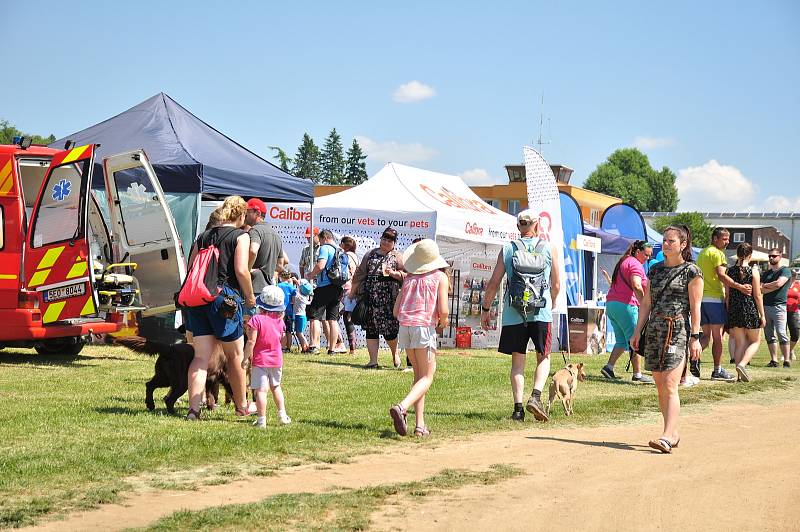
x=266, y=246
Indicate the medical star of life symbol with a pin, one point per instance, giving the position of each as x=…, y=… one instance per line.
x=61, y=190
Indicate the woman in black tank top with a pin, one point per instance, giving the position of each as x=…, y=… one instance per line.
x=211, y=331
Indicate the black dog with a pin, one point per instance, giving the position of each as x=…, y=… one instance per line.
x=172, y=370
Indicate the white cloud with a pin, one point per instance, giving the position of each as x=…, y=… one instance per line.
x=714, y=187
x=393, y=151
x=781, y=204
x=413, y=91
x=478, y=177
x=650, y=143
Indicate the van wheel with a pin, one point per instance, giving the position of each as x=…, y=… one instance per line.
x=61, y=346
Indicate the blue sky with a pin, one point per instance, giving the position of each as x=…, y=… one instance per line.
x=709, y=89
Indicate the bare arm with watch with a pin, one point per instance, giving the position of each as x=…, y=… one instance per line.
x=695, y=298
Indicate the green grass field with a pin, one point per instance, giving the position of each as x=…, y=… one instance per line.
x=75, y=432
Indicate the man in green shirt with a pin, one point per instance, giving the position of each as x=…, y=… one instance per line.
x=713, y=263
x=775, y=286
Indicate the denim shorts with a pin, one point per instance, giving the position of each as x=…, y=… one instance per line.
x=206, y=321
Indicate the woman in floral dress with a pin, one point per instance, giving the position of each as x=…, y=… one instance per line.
x=745, y=313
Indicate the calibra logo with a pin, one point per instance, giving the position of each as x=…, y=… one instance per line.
x=448, y=197
x=290, y=213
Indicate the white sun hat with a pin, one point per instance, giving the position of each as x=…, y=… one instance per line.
x=423, y=257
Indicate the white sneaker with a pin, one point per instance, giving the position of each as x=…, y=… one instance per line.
x=690, y=381
x=261, y=425
x=284, y=419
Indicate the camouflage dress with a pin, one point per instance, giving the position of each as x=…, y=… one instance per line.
x=668, y=328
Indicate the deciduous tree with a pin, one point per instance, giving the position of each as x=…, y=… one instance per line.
x=701, y=230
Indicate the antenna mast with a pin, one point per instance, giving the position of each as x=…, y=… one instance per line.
x=540, y=141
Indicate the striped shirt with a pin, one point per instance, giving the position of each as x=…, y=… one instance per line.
x=418, y=299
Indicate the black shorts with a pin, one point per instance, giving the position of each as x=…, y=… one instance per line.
x=325, y=305
x=288, y=322
x=514, y=338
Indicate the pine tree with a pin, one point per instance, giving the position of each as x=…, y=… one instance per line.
x=356, y=171
x=306, y=162
x=283, y=157
x=332, y=160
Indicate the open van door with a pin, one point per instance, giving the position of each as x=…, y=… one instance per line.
x=57, y=261
x=143, y=230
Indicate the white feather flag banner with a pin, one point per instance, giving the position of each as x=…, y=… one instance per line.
x=544, y=200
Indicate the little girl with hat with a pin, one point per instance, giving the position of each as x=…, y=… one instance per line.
x=420, y=308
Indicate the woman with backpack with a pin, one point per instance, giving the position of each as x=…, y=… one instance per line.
x=377, y=280
x=219, y=323
x=671, y=311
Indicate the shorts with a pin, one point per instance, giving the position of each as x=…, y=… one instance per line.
x=325, y=305
x=713, y=313
x=206, y=321
x=623, y=318
x=263, y=378
x=288, y=322
x=416, y=337
x=300, y=321
x=514, y=338
x=775, y=329
x=793, y=322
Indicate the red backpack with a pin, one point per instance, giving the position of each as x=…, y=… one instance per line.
x=200, y=286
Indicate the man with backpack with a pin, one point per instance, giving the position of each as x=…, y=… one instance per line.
x=330, y=273
x=531, y=268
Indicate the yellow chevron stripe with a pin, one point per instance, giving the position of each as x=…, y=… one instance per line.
x=50, y=258
x=74, y=154
x=39, y=278
x=7, y=276
x=53, y=312
x=78, y=270
x=6, y=179
x=88, y=308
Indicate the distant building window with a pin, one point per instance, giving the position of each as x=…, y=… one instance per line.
x=513, y=207
x=738, y=237
x=593, y=215
x=759, y=241
x=493, y=202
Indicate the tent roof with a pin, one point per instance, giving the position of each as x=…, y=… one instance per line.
x=189, y=155
x=460, y=213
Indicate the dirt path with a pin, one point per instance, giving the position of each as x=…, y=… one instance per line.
x=737, y=467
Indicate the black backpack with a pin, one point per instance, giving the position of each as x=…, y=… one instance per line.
x=338, y=272
x=528, y=282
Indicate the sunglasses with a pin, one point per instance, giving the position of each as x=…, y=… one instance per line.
x=773, y=256
x=389, y=238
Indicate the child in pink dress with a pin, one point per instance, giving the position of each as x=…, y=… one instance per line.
x=263, y=351
x=420, y=308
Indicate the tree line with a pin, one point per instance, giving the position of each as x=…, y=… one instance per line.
x=330, y=165
x=8, y=132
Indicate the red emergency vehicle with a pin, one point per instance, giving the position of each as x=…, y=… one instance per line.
x=74, y=261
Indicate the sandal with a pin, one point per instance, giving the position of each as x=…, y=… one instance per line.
x=193, y=415
x=399, y=418
x=663, y=445
x=422, y=432
x=373, y=365
x=243, y=412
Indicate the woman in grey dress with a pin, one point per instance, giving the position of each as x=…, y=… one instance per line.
x=671, y=308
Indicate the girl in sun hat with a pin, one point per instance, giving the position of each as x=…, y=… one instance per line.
x=420, y=308
x=264, y=335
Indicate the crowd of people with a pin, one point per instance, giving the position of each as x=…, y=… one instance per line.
x=665, y=313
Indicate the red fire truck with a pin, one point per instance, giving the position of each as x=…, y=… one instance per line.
x=76, y=259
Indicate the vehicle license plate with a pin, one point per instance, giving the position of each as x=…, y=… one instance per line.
x=64, y=292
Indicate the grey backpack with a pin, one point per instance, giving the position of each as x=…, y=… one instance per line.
x=528, y=280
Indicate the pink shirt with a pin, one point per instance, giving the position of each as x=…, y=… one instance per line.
x=267, y=352
x=622, y=289
x=418, y=299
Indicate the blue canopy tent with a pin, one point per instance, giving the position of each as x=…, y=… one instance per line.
x=191, y=159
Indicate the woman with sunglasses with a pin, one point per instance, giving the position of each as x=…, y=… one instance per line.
x=628, y=286
x=378, y=279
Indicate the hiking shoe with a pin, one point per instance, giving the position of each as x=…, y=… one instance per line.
x=694, y=368
x=535, y=407
x=772, y=364
x=518, y=415
x=644, y=379
x=787, y=364
x=722, y=375
x=690, y=381
x=743, y=375
x=608, y=372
